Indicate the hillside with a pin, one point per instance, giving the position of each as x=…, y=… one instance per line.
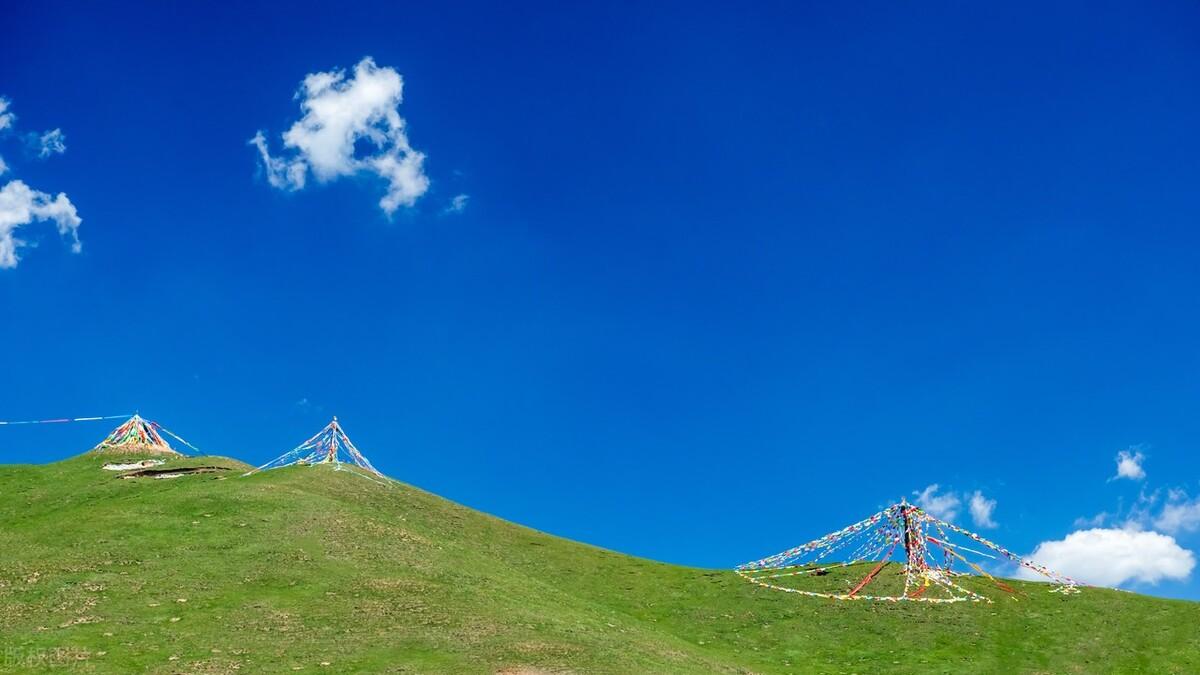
x=315, y=570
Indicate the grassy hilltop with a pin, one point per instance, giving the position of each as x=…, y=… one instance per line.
x=320, y=571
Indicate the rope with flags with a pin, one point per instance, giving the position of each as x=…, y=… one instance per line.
x=67, y=419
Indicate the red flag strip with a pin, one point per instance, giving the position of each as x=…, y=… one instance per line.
x=866, y=580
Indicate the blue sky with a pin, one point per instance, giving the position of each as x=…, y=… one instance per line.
x=719, y=280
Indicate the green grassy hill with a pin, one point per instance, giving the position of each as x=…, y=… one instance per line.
x=314, y=570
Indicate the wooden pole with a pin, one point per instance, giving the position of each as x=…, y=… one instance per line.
x=907, y=536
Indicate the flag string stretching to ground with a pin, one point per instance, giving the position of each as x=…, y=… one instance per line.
x=172, y=434
x=330, y=446
x=925, y=573
x=67, y=419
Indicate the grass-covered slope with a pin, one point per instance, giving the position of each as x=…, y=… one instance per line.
x=315, y=570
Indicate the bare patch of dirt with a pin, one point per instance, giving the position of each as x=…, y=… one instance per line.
x=172, y=473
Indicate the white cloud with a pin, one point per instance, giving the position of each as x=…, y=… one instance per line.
x=350, y=126
x=944, y=506
x=281, y=173
x=1129, y=465
x=20, y=205
x=53, y=142
x=1111, y=557
x=1097, y=520
x=6, y=116
x=6, y=121
x=1138, y=516
x=1179, y=514
x=406, y=180
x=981, y=510
x=458, y=204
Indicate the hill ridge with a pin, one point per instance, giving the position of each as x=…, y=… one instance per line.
x=300, y=566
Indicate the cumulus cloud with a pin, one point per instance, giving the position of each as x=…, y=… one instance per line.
x=1179, y=514
x=943, y=506
x=53, y=142
x=3, y=167
x=1111, y=557
x=1129, y=465
x=20, y=205
x=351, y=125
x=457, y=204
x=981, y=510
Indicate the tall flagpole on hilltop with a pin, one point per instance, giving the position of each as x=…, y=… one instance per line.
x=908, y=561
